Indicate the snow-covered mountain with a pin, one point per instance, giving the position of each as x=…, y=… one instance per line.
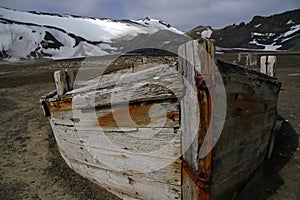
x=276, y=32
x=35, y=35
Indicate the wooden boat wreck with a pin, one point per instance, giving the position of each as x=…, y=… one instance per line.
x=147, y=130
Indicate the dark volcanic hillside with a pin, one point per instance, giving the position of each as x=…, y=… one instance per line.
x=277, y=32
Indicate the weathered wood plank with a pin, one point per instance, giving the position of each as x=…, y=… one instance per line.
x=132, y=184
x=169, y=174
x=87, y=79
x=241, y=104
x=104, y=70
x=115, y=78
x=164, y=114
x=239, y=158
x=143, y=114
x=109, y=151
x=128, y=185
x=58, y=106
x=141, y=140
x=250, y=86
x=239, y=131
x=156, y=83
x=84, y=144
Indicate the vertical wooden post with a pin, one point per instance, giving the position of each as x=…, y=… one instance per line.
x=239, y=58
x=61, y=82
x=145, y=60
x=247, y=60
x=197, y=65
x=253, y=59
x=268, y=65
x=69, y=78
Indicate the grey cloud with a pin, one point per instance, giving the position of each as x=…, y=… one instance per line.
x=183, y=14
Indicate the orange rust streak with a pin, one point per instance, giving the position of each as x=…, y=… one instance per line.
x=209, y=121
x=199, y=190
x=173, y=116
x=61, y=105
x=139, y=116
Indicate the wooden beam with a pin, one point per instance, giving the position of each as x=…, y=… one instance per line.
x=64, y=81
x=60, y=82
x=197, y=60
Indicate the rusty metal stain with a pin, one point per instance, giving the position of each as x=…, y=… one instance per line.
x=145, y=85
x=197, y=183
x=203, y=82
x=173, y=116
x=139, y=114
x=60, y=105
x=192, y=189
x=202, y=180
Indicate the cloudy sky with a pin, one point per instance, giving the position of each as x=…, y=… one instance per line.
x=182, y=14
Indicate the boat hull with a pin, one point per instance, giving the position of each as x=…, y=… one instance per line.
x=144, y=157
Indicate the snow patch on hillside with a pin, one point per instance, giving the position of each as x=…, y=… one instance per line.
x=292, y=30
x=290, y=22
x=259, y=39
x=34, y=34
x=267, y=47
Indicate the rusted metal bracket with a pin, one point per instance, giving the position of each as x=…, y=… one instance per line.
x=201, y=179
x=203, y=82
